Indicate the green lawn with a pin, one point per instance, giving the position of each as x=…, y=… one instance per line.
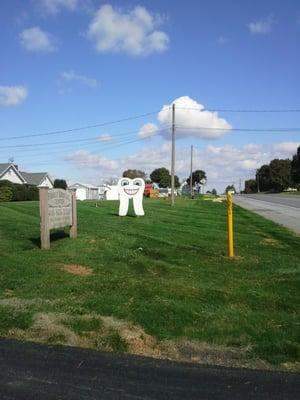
x=160, y=285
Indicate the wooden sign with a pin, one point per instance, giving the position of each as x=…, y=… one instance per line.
x=57, y=210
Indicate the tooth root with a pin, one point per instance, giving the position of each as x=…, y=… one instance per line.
x=138, y=204
x=124, y=203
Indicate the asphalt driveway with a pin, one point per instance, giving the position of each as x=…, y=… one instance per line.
x=34, y=372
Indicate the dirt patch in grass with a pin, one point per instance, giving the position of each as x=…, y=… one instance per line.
x=218, y=200
x=238, y=258
x=271, y=242
x=8, y=293
x=291, y=366
x=50, y=327
x=77, y=269
x=205, y=353
x=116, y=335
x=215, y=199
x=47, y=328
x=112, y=334
x=138, y=341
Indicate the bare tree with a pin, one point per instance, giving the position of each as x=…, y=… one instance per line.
x=111, y=181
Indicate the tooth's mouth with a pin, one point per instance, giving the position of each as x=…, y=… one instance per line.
x=131, y=192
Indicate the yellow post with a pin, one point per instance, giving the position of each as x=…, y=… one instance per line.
x=229, y=220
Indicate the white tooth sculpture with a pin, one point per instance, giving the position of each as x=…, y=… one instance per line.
x=131, y=189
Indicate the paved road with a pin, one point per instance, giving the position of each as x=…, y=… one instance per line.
x=283, y=209
x=286, y=200
x=34, y=372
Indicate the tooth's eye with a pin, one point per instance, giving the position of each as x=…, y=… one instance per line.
x=124, y=183
x=137, y=183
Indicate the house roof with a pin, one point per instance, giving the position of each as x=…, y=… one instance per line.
x=34, y=178
x=86, y=185
x=5, y=166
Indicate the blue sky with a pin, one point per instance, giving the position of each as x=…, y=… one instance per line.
x=69, y=63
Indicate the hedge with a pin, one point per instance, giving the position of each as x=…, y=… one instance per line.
x=6, y=193
x=17, y=192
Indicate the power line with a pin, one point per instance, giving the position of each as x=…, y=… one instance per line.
x=147, y=114
x=67, y=147
x=83, y=127
x=107, y=146
x=125, y=143
x=92, y=139
x=97, y=139
x=272, y=130
x=295, y=110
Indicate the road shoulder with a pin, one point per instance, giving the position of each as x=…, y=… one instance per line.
x=284, y=215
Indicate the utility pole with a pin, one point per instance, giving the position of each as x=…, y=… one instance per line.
x=173, y=158
x=191, y=176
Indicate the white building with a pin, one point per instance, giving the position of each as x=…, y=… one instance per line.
x=85, y=191
x=11, y=173
x=111, y=192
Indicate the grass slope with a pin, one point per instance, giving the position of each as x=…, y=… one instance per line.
x=166, y=275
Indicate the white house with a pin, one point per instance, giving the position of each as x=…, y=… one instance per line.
x=85, y=191
x=10, y=172
x=109, y=192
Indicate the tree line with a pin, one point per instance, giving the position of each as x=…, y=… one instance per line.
x=162, y=177
x=278, y=175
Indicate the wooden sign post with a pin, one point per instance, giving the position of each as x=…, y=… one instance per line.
x=57, y=210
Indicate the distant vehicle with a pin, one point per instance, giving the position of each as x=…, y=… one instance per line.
x=151, y=191
x=163, y=192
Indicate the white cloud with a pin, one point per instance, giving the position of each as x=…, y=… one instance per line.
x=286, y=148
x=131, y=32
x=223, y=164
x=191, y=119
x=72, y=76
x=148, y=130
x=105, y=137
x=55, y=6
x=85, y=159
x=35, y=39
x=262, y=26
x=12, y=95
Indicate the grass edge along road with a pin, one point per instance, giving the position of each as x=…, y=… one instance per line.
x=161, y=285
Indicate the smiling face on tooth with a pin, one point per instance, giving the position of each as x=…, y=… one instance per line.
x=131, y=187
